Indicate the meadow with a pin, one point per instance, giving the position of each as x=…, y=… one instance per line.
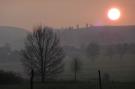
x=72, y=85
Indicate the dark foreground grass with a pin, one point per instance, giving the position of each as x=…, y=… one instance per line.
x=71, y=85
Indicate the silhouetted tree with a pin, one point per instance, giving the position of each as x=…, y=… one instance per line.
x=87, y=25
x=76, y=67
x=131, y=49
x=121, y=49
x=106, y=78
x=93, y=50
x=77, y=26
x=43, y=53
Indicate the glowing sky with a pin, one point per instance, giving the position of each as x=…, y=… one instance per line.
x=62, y=13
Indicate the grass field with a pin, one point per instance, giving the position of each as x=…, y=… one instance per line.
x=72, y=85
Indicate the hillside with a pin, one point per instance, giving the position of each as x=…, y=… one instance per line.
x=74, y=42
x=74, y=37
x=12, y=35
x=100, y=34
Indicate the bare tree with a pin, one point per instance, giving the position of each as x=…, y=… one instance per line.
x=43, y=53
x=131, y=49
x=110, y=51
x=93, y=50
x=106, y=77
x=76, y=67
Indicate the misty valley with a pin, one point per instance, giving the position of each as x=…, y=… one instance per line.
x=65, y=57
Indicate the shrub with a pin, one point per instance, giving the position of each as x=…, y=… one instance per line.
x=7, y=77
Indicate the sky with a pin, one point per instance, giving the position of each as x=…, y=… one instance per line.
x=63, y=13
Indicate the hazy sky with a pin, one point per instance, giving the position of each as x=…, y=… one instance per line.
x=63, y=13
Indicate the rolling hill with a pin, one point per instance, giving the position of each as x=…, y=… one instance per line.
x=12, y=35
x=73, y=42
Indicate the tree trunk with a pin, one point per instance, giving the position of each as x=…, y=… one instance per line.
x=42, y=73
x=100, y=84
x=42, y=78
x=31, y=79
x=75, y=76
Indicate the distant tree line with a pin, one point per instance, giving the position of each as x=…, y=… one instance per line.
x=94, y=49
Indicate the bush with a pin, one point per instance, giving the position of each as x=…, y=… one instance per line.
x=9, y=77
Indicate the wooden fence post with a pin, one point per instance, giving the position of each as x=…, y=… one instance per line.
x=100, y=83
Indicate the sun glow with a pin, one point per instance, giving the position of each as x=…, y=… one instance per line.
x=114, y=14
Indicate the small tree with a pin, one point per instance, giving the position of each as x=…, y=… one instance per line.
x=106, y=78
x=110, y=51
x=93, y=50
x=76, y=67
x=121, y=49
x=131, y=49
x=43, y=53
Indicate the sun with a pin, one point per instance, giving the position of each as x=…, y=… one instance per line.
x=114, y=14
